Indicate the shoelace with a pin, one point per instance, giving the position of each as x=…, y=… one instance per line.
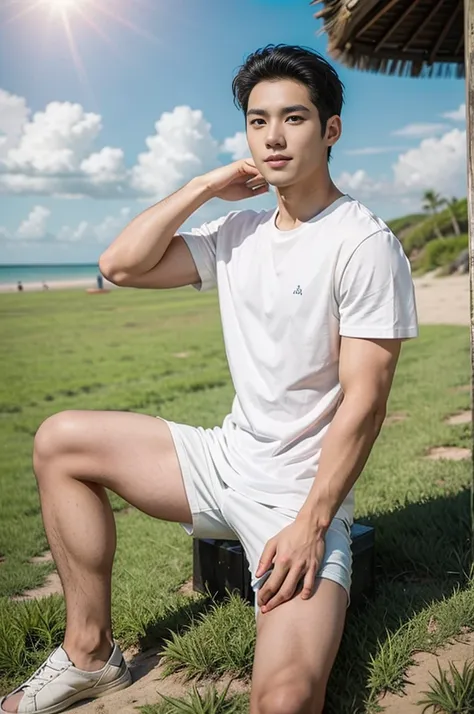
x=44, y=674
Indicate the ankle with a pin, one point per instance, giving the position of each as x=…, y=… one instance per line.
x=89, y=652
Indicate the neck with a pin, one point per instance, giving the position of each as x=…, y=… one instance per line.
x=304, y=200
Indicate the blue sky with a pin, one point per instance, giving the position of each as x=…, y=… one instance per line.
x=93, y=132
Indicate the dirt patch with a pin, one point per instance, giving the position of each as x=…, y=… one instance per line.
x=462, y=389
x=460, y=418
x=448, y=453
x=419, y=676
x=147, y=686
x=45, y=558
x=395, y=418
x=51, y=586
x=125, y=511
x=181, y=355
x=187, y=589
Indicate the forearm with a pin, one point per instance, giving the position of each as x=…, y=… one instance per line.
x=345, y=450
x=143, y=242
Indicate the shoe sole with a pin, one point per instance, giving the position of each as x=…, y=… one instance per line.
x=124, y=681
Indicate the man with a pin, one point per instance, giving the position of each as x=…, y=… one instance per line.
x=316, y=297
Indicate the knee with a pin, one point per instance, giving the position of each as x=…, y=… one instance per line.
x=57, y=435
x=289, y=699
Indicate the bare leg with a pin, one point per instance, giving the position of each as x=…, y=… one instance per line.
x=76, y=456
x=297, y=643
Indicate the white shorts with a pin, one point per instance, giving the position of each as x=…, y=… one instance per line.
x=222, y=513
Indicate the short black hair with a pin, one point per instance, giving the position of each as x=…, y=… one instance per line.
x=300, y=64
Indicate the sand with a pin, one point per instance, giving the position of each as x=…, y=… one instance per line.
x=443, y=301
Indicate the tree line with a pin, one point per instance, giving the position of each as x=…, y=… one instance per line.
x=432, y=202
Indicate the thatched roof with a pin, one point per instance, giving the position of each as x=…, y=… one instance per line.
x=403, y=37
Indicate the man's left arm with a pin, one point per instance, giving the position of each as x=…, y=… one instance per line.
x=366, y=370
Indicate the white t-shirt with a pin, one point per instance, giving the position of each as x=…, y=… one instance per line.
x=286, y=298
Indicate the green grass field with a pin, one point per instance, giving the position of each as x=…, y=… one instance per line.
x=162, y=353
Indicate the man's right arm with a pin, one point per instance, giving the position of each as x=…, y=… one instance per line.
x=149, y=254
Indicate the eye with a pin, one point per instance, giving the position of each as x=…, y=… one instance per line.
x=296, y=118
x=254, y=122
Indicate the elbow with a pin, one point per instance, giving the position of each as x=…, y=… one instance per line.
x=111, y=272
x=369, y=413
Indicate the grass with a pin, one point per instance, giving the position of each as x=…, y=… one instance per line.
x=221, y=641
x=162, y=353
x=209, y=702
x=451, y=695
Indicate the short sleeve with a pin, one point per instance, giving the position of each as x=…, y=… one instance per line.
x=202, y=243
x=375, y=295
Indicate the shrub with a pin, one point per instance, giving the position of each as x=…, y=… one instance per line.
x=440, y=252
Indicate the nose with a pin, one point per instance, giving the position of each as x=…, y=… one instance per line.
x=275, y=137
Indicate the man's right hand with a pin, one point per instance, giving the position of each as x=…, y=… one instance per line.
x=236, y=181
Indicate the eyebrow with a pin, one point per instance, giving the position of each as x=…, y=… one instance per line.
x=285, y=110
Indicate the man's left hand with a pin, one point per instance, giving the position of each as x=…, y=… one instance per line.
x=296, y=553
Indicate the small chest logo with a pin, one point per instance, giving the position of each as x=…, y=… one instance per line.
x=298, y=290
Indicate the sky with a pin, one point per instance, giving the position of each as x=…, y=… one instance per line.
x=108, y=106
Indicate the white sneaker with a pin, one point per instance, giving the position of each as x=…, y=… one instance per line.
x=58, y=684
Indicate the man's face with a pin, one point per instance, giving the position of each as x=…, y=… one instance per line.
x=282, y=121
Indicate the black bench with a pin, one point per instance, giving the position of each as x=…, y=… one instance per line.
x=220, y=566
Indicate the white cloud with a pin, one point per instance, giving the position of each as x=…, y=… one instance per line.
x=55, y=153
x=103, y=232
x=55, y=141
x=105, y=166
x=237, y=146
x=438, y=163
x=418, y=131
x=182, y=147
x=457, y=115
x=359, y=184
x=32, y=228
x=13, y=115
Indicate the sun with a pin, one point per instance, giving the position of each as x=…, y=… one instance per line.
x=63, y=6
x=67, y=15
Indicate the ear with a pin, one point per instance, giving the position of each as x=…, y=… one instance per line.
x=333, y=130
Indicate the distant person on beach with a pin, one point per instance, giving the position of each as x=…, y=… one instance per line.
x=100, y=282
x=45, y=286
x=316, y=297
x=19, y=286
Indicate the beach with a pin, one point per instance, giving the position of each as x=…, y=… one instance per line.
x=37, y=286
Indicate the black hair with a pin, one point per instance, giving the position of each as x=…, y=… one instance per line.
x=299, y=64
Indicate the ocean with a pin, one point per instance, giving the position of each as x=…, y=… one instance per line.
x=11, y=274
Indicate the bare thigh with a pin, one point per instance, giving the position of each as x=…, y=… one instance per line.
x=130, y=454
x=297, y=644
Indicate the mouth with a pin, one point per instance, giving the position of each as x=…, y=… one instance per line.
x=278, y=161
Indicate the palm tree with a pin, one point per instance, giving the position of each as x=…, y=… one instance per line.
x=431, y=202
x=451, y=204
